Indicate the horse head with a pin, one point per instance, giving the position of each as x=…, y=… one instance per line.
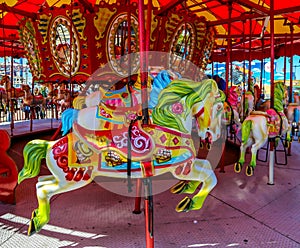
x=5, y=81
x=209, y=111
x=25, y=88
x=184, y=99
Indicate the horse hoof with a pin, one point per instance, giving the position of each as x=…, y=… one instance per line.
x=237, y=167
x=178, y=187
x=184, y=205
x=249, y=171
x=31, y=228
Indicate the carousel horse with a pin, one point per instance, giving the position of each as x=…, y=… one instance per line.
x=96, y=148
x=231, y=111
x=63, y=99
x=293, y=112
x=35, y=100
x=260, y=126
x=11, y=92
x=247, y=104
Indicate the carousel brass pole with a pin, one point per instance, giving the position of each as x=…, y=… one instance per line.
x=12, y=126
x=144, y=49
x=228, y=60
x=261, y=67
x=272, y=51
x=289, y=153
x=291, y=62
x=272, y=141
x=284, y=62
x=31, y=107
x=250, y=57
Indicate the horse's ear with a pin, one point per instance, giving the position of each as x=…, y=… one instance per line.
x=214, y=86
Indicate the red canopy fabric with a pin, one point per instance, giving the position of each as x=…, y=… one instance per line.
x=245, y=22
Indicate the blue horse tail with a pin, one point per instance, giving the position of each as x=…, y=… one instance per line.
x=246, y=129
x=67, y=119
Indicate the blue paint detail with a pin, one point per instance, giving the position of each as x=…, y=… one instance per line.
x=136, y=165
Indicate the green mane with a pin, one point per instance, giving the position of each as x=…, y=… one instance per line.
x=279, y=91
x=187, y=93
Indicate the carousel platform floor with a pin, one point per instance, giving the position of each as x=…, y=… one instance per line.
x=241, y=211
x=26, y=127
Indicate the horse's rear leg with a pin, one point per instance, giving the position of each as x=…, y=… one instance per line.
x=201, y=171
x=45, y=189
x=238, y=165
x=255, y=147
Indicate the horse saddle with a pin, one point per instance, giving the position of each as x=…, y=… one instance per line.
x=131, y=139
x=274, y=122
x=117, y=114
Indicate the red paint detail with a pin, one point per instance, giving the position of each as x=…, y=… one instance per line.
x=79, y=175
x=70, y=175
x=163, y=138
x=200, y=112
x=124, y=95
x=175, y=141
x=87, y=175
x=187, y=168
x=107, y=125
x=178, y=170
x=148, y=168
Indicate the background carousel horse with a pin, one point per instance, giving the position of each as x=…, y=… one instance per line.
x=37, y=101
x=292, y=112
x=247, y=104
x=90, y=151
x=3, y=102
x=231, y=110
x=259, y=126
x=12, y=93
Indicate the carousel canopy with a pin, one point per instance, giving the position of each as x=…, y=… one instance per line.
x=245, y=24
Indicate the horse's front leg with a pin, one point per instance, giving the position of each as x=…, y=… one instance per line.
x=201, y=171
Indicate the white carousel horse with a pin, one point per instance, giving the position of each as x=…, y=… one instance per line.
x=96, y=148
x=259, y=126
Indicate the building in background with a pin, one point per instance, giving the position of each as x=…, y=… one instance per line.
x=20, y=70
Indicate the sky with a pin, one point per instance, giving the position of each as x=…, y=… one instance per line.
x=219, y=68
